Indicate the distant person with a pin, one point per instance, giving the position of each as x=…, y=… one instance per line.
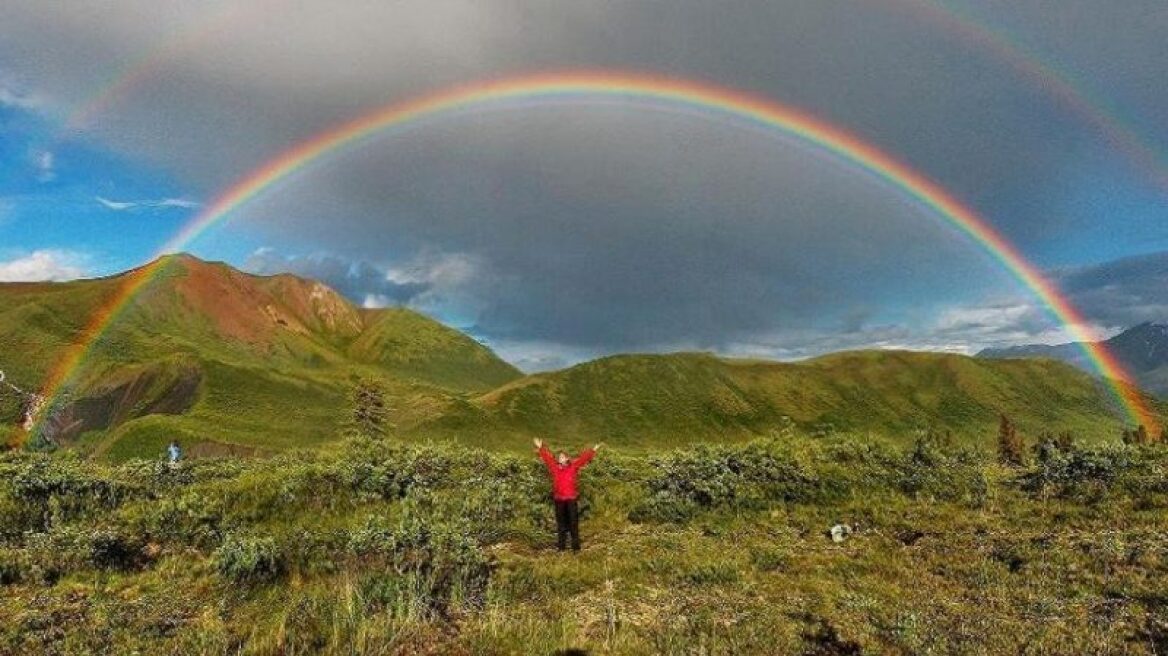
x=563, y=471
x=173, y=453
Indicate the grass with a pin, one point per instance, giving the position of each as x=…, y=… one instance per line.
x=673, y=399
x=275, y=358
x=704, y=524
x=273, y=371
x=374, y=547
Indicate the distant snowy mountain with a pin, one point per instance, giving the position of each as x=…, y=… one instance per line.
x=1143, y=350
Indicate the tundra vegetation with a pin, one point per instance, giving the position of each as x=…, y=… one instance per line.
x=360, y=482
x=379, y=544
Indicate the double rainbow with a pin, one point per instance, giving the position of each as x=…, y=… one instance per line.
x=717, y=102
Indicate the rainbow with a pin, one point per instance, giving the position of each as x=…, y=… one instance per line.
x=1058, y=85
x=718, y=102
x=149, y=64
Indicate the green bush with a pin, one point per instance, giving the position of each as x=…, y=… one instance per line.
x=249, y=559
x=931, y=470
x=60, y=488
x=663, y=507
x=116, y=550
x=13, y=566
x=747, y=477
x=770, y=558
x=435, y=556
x=711, y=574
x=1082, y=474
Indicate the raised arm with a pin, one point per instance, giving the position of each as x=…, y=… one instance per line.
x=585, y=457
x=544, y=454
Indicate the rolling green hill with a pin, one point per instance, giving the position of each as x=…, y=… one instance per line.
x=225, y=361
x=229, y=362
x=681, y=397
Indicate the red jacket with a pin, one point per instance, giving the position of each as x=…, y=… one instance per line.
x=564, y=476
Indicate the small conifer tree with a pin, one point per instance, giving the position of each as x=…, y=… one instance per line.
x=368, y=409
x=1011, y=450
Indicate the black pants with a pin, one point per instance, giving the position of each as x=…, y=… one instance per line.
x=567, y=522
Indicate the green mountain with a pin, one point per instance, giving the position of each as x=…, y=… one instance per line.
x=227, y=361
x=680, y=397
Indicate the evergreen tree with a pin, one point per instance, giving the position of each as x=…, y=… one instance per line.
x=368, y=409
x=1137, y=436
x=1011, y=450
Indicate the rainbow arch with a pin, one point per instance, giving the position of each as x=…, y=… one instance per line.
x=148, y=65
x=714, y=100
x=1090, y=109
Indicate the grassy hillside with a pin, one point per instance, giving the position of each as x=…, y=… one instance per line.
x=651, y=398
x=410, y=345
x=373, y=549
x=228, y=362
x=266, y=362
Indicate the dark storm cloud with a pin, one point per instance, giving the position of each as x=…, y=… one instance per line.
x=602, y=228
x=654, y=246
x=262, y=74
x=1121, y=293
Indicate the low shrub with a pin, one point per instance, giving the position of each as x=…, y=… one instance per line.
x=663, y=507
x=436, y=556
x=1086, y=475
x=249, y=559
x=933, y=471
x=711, y=574
x=748, y=477
x=116, y=550
x=13, y=566
x=59, y=488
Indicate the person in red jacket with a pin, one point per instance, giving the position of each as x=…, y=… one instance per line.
x=563, y=471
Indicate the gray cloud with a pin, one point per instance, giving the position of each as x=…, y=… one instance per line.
x=582, y=229
x=1120, y=293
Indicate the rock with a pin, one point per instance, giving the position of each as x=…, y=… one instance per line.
x=840, y=532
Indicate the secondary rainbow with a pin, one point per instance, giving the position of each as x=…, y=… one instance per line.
x=1057, y=84
x=637, y=89
x=149, y=64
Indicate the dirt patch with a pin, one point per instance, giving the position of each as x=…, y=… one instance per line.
x=168, y=389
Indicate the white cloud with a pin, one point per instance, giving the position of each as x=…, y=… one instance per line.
x=45, y=163
x=177, y=202
x=436, y=269
x=535, y=356
x=114, y=205
x=376, y=301
x=43, y=265
x=12, y=97
x=7, y=205
x=163, y=203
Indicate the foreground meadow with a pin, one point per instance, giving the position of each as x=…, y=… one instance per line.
x=380, y=547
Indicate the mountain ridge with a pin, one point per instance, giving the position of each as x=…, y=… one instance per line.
x=642, y=397
x=286, y=344
x=233, y=362
x=1142, y=350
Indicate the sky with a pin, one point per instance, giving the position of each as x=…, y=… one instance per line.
x=560, y=231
